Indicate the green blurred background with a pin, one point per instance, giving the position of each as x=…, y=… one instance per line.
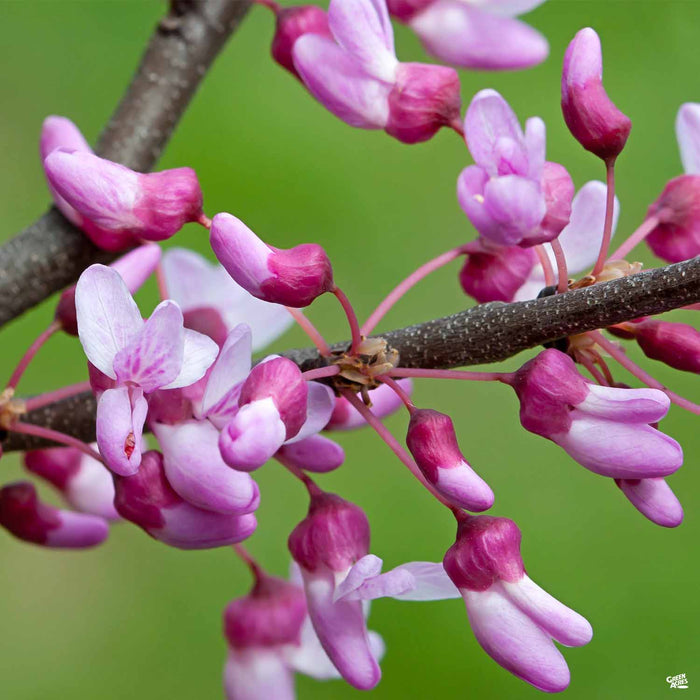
x=137, y=619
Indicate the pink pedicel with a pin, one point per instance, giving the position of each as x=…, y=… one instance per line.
x=147, y=500
x=385, y=401
x=515, y=621
x=85, y=483
x=293, y=22
x=432, y=441
x=326, y=544
x=605, y=429
x=677, y=235
x=28, y=519
x=293, y=277
x=115, y=206
x=479, y=36
x=593, y=119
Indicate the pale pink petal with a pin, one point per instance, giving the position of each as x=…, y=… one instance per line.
x=258, y=673
x=319, y=407
x=138, y=265
x=688, y=135
x=309, y=656
x=430, y=582
x=188, y=527
x=507, y=8
x=562, y=623
x=625, y=405
x=363, y=28
x=315, y=454
x=337, y=80
x=369, y=566
x=199, y=352
x=536, y=144
x=195, y=470
x=77, y=531
x=91, y=490
x=654, y=499
x=108, y=317
x=153, y=357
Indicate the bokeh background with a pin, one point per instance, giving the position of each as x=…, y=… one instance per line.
x=137, y=619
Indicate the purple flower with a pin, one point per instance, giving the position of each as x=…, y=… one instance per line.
x=513, y=619
x=360, y=80
x=432, y=441
x=385, y=401
x=325, y=545
x=313, y=454
x=654, y=499
x=84, y=482
x=136, y=357
x=115, y=206
x=28, y=519
x=593, y=119
x=606, y=429
x=213, y=304
x=293, y=277
x=147, y=500
x=477, y=34
x=511, y=195
x=688, y=135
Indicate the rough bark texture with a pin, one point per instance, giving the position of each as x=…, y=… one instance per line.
x=50, y=254
x=486, y=333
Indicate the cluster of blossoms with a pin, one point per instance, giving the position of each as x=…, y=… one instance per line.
x=186, y=374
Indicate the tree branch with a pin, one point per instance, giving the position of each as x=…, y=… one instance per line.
x=485, y=333
x=50, y=254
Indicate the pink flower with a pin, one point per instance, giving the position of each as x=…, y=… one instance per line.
x=326, y=544
x=360, y=80
x=84, y=482
x=115, y=206
x=28, y=519
x=513, y=619
x=593, y=119
x=147, y=500
x=606, y=429
x=654, y=499
x=313, y=454
x=432, y=441
x=688, y=135
x=477, y=34
x=511, y=195
x=134, y=357
x=293, y=277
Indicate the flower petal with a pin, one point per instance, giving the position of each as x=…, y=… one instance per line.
x=688, y=135
x=319, y=407
x=315, y=454
x=108, y=317
x=654, y=499
x=625, y=405
x=256, y=673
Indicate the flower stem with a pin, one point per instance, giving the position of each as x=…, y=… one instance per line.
x=314, y=336
x=305, y=479
x=320, y=373
x=270, y=4
x=423, y=271
x=204, y=220
x=355, y=331
x=394, y=445
x=162, y=282
x=396, y=387
x=646, y=227
x=31, y=352
x=562, y=272
x=248, y=560
x=56, y=436
x=56, y=395
x=546, y=264
x=451, y=374
x=634, y=369
x=609, y=211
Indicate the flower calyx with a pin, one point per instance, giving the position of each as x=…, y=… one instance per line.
x=360, y=371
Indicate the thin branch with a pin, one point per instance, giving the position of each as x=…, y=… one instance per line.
x=485, y=333
x=50, y=254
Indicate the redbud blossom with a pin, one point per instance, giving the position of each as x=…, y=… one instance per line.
x=116, y=206
x=432, y=441
x=480, y=35
x=514, y=620
x=593, y=119
x=28, y=519
x=293, y=22
x=313, y=454
x=326, y=544
x=293, y=277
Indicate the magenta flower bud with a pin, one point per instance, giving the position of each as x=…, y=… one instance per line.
x=273, y=408
x=593, y=119
x=495, y=273
x=293, y=22
x=293, y=277
x=677, y=235
x=147, y=500
x=606, y=429
x=513, y=619
x=28, y=519
x=675, y=344
x=118, y=206
x=85, y=483
x=654, y=499
x=432, y=441
x=424, y=99
x=326, y=544
x=313, y=454
x=134, y=268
